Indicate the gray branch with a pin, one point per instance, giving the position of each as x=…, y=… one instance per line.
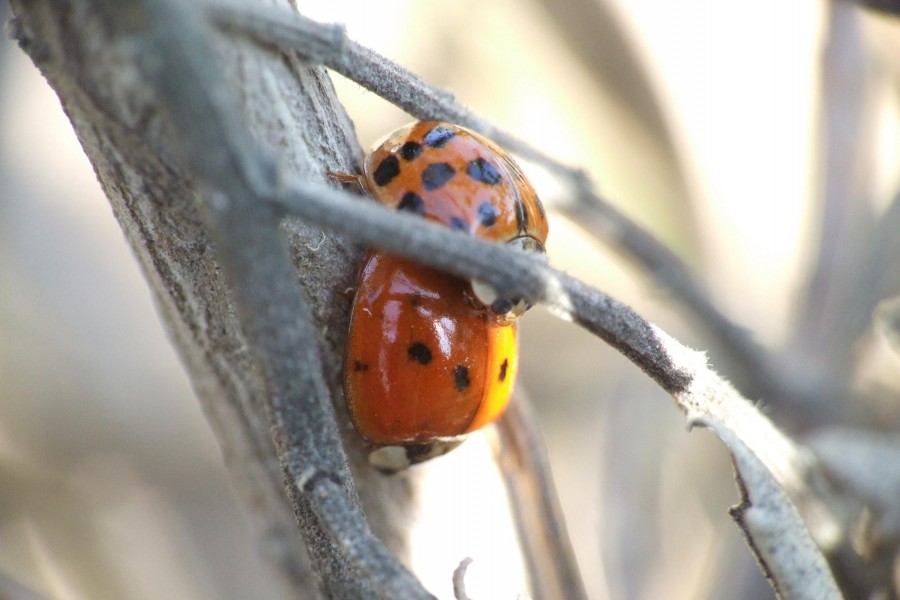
x=761, y=373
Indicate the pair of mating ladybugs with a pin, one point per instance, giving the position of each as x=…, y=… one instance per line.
x=431, y=357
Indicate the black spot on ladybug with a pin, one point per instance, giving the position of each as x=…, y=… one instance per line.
x=487, y=214
x=412, y=202
x=438, y=137
x=436, y=175
x=410, y=150
x=461, y=377
x=419, y=352
x=483, y=171
x=459, y=224
x=521, y=215
x=503, y=367
x=387, y=170
x=360, y=366
x=415, y=300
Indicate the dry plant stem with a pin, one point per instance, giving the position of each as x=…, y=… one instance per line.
x=459, y=579
x=328, y=45
x=278, y=323
x=552, y=563
x=705, y=397
x=836, y=309
x=760, y=377
x=509, y=271
x=702, y=394
x=775, y=531
x=598, y=37
x=552, y=568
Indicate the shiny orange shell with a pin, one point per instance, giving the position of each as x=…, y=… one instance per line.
x=423, y=362
x=452, y=175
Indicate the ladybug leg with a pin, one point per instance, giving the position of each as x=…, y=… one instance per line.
x=356, y=182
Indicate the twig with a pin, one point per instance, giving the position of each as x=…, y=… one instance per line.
x=702, y=394
x=459, y=579
x=836, y=307
x=509, y=271
x=787, y=555
x=705, y=398
x=552, y=569
x=328, y=45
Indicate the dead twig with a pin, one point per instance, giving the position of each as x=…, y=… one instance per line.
x=328, y=45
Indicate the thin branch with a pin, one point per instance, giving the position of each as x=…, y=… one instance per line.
x=705, y=397
x=787, y=555
x=760, y=376
x=459, y=579
x=328, y=45
x=552, y=569
x=836, y=307
x=509, y=271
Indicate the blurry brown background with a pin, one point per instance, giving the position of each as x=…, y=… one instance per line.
x=699, y=119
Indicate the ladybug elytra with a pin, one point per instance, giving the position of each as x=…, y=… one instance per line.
x=431, y=357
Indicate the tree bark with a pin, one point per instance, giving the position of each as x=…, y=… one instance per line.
x=86, y=52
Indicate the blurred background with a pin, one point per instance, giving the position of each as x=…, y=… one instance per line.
x=709, y=123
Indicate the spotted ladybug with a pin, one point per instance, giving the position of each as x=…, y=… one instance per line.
x=431, y=357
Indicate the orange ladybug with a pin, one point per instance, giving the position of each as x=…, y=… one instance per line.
x=431, y=357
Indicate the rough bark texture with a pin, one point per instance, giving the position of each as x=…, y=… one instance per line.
x=292, y=110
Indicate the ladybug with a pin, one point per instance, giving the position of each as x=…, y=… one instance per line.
x=431, y=357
